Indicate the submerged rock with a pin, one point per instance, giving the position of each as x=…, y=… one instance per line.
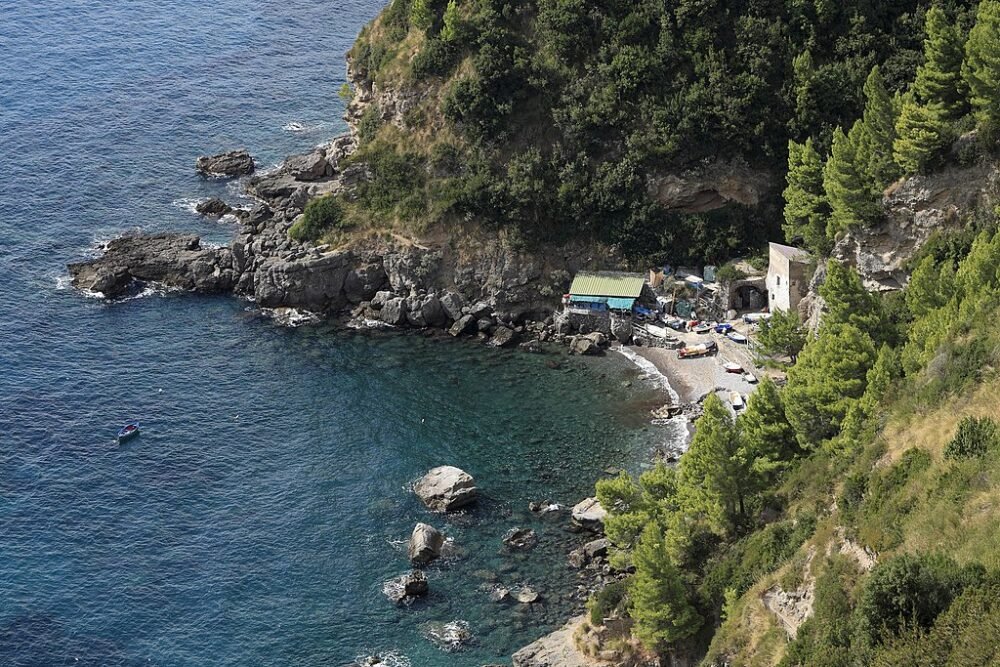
x=232, y=163
x=446, y=488
x=405, y=587
x=425, y=544
x=520, y=539
x=213, y=207
x=449, y=637
x=528, y=595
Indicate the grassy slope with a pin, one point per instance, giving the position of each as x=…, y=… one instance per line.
x=916, y=501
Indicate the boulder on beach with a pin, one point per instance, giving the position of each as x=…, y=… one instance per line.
x=307, y=167
x=425, y=544
x=463, y=325
x=503, y=337
x=589, y=514
x=584, y=346
x=446, y=488
x=595, y=550
x=452, y=303
x=231, y=163
x=394, y=311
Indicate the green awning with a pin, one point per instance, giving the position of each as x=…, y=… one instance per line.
x=616, y=303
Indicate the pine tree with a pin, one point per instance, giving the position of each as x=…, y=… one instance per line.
x=921, y=136
x=631, y=507
x=982, y=67
x=806, y=210
x=768, y=440
x=848, y=302
x=657, y=595
x=452, y=22
x=877, y=134
x=421, y=14
x=930, y=286
x=711, y=480
x=782, y=334
x=830, y=376
x=939, y=84
x=806, y=104
x=937, y=98
x=878, y=380
x=850, y=198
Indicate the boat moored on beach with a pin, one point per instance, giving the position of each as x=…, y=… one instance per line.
x=699, y=350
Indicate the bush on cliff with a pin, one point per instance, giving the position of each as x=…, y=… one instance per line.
x=320, y=216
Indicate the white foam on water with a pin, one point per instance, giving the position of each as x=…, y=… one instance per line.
x=150, y=289
x=450, y=636
x=291, y=317
x=188, y=204
x=649, y=372
x=383, y=659
x=365, y=323
x=677, y=434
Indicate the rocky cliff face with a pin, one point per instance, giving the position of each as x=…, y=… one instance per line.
x=389, y=278
x=916, y=208
x=710, y=187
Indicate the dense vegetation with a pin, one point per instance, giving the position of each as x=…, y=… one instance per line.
x=550, y=117
x=867, y=484
x=956, y=89
x=784, y=496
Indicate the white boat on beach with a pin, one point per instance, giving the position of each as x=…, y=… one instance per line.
x=737, y=400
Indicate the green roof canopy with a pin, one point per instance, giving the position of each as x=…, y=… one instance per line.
x=607, y=283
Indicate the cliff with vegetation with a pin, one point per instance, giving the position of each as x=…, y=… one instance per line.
x=849, y=516
x=659, y=130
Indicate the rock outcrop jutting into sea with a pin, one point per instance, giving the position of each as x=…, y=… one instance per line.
x=471, y=284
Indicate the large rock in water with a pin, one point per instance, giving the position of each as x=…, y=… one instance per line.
x=589, y=514
x=213, y=207
x=425, y=544
x=446, y=488
x=176, y=260
x=233, y=163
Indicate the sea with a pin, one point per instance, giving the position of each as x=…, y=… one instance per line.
x=268, y=498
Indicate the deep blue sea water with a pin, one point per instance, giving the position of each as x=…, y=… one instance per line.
x=255, y=519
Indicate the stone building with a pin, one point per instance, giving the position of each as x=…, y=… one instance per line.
x=787, y=277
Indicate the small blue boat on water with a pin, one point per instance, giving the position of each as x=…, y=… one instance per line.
x=128, y=431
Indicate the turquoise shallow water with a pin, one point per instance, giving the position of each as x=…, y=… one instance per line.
x=254, y=520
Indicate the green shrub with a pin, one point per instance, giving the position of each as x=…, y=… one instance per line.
x=437, y=58
x=975, y=437
x=368, y=126
x=607, y=602
x=321, y=215
x=728, y=273
x=909, y=591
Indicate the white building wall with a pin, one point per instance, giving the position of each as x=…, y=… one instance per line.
x=777, y=282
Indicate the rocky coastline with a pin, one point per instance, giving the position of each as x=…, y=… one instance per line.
x=482, y=286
